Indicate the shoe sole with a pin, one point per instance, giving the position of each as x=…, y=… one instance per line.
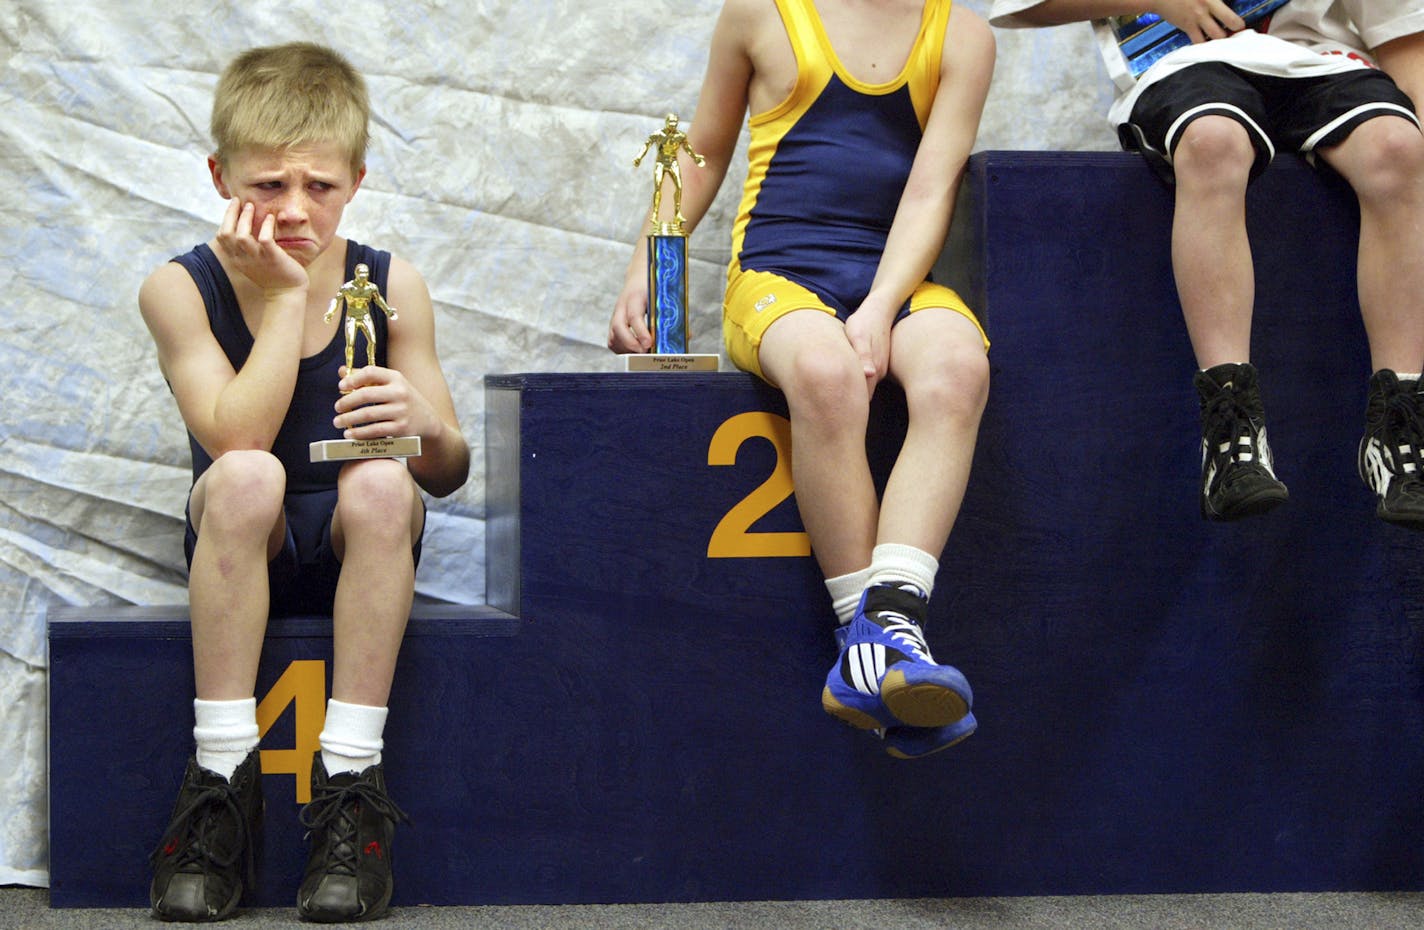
x=922, y=704
x=846, y=714
x=893, y=750
x=1258, y=503
x=1407, y=521
x=321, y=917
x=925, y=703
x=223, y=913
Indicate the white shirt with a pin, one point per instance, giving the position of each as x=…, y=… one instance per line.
x=1305, y=38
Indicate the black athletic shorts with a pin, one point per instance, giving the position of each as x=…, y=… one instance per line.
x=1298, y=114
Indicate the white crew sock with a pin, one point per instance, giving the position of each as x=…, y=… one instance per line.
x=845, y=593
x=351, y=739
x=893, y=563
x=226, y=732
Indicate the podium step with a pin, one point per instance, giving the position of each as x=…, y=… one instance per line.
x=1164, y=705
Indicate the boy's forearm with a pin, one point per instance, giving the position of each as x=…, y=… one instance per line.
x=915, y=241
x=700, y=184
x=1403, y=60
x=1059, y=12
x=444, y=462
x=250, y=409
x=922, y=217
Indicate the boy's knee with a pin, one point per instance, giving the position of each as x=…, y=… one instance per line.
x=826, y=385
x=1391, y=162
x=1214, y=148
x=247, y=480
x=375, y=492
x=957, y=387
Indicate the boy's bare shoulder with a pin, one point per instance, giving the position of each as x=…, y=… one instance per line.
x=967, y=25
x=402, y=274
x=968, y=33
x=165, y=285
x=751, y=17
x=406, y=290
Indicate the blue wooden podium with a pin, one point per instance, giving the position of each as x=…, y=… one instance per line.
x=1165, y=705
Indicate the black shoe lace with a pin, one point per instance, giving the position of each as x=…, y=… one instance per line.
x=336, y=809
x=1401, y=432
x=196, y=825
x=1227, y=421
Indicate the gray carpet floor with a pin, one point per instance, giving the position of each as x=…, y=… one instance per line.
x=28, y=909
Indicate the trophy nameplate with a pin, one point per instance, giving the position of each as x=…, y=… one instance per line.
x=340, y=450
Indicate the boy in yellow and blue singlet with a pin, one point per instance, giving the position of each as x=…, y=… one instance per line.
x=862, y=118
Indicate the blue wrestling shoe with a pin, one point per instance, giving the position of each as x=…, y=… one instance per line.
x=885, y=677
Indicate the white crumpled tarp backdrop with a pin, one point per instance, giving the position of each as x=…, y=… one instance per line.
x=501, y=165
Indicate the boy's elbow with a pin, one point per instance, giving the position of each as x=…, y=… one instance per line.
x=449, y=474
x=245, y=442
x=454, y=480
x=1047, y=13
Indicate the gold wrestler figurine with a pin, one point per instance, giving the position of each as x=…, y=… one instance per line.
x=357, y=294
x=667, y=142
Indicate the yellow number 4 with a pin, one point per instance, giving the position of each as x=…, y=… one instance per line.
x=303, y=687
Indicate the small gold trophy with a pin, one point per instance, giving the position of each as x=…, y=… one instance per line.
x=667, y=262
x=357, y=295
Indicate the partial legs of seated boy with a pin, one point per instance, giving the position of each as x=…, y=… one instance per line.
x=1210, y=129
x=351, y=551
x=880, y=558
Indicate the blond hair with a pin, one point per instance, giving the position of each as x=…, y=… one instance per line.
x=284, y=95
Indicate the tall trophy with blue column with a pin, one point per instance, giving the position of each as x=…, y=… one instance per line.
x=667, y=261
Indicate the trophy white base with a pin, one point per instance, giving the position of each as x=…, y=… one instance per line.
x=392, y=447
x=653, y=362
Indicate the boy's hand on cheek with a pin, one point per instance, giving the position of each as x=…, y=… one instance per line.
x=255, y=253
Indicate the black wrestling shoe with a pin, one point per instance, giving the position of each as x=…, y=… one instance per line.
x=1390, y=461
x=1238, y=478
x=350, y=822
x=209, y=851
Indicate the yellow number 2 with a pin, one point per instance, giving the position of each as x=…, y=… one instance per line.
x=733, y=538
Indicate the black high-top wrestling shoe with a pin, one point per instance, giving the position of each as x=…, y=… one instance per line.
x=351, y=821
x=208, y=856
x=1390, y=460
x=1238, y=477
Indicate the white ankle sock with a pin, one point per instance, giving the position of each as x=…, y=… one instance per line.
x=893, y=563
x=351, y=739
x=845, y=593
x=225, y=731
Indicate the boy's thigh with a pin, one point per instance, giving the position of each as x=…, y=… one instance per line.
x=940, y=347
x=1298, y=114
x=938, y=299
x=1324, y=115
x=755, y=300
